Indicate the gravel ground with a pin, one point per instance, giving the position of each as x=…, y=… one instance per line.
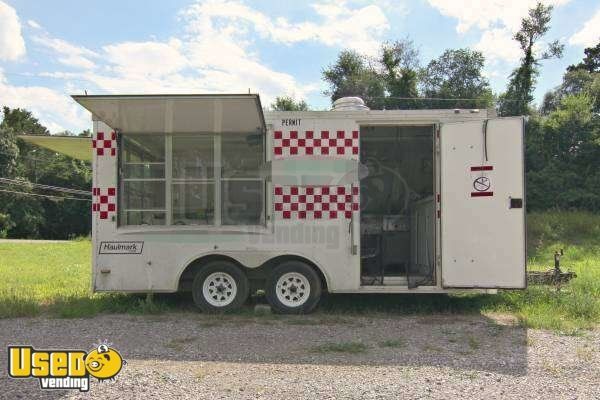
x=184, y=355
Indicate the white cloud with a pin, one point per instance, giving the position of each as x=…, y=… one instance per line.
x=589, y=34
x=33, y=24
x=146, y=58
x=68, y=54
x=498, y=44
x=54, y=109
x=486, y=14
x=12, y=45
x=338, y=24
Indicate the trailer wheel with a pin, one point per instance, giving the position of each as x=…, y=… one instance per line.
x=293, y=288
x=220, y=286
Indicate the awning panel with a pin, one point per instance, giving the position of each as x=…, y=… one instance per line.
x=76, y=147
x=177, y=113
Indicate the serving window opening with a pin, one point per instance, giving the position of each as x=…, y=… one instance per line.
x=397, y=205
x=192, y=179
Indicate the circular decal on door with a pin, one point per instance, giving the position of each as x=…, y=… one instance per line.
x=482, y=183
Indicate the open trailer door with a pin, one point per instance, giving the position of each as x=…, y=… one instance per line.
x=482, y=204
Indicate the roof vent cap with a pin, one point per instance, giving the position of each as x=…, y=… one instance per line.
x=349, y=104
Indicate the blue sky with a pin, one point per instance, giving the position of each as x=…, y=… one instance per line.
x=49, y=50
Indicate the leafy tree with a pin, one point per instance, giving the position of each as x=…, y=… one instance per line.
x=66, y=218
x=9, y=151
x=400, y=64
x=591, y=61
x=25, y=213
x=563, y=157
x=457, y=74
x=355, y=75
x=29, y=216
x=287, y=103
x=519, y=94
x=575, y=81
x=21, y=121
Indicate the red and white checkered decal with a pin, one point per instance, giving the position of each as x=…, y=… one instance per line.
x=105, y=144
x=104, y=201
x=316, y=202
x=342, y=144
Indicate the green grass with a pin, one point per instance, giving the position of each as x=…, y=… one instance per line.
x=54, y=279
x=341, y=347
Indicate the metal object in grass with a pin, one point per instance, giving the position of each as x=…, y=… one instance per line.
x=554, y=276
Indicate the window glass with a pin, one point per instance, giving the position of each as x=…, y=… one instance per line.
x=242, y=155
x=193, y=181
x=193, y=203
x=144, y=218
x=144, y=171
x=242, y=202
x=143, y=148
x=144, y=195
x=193, y=157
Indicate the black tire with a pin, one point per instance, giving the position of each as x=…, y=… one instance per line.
x=305, y=304
x=240, y=283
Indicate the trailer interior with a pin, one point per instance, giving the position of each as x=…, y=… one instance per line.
x=397, y=205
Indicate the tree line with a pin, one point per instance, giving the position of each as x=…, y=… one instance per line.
x=29, y=173
x=562, y=141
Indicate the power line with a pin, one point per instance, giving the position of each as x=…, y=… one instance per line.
x=447, y=99
x=47, y=187
x=44, y=195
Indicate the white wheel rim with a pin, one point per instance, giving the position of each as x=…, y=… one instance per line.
x=219, y=289
x=293, y=289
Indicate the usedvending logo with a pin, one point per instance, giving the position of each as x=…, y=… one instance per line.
x=121, y=247
x=65, y=369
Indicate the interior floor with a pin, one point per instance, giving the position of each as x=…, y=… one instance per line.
x=397, y=205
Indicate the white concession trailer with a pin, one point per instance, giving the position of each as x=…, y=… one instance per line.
x=209, y=193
